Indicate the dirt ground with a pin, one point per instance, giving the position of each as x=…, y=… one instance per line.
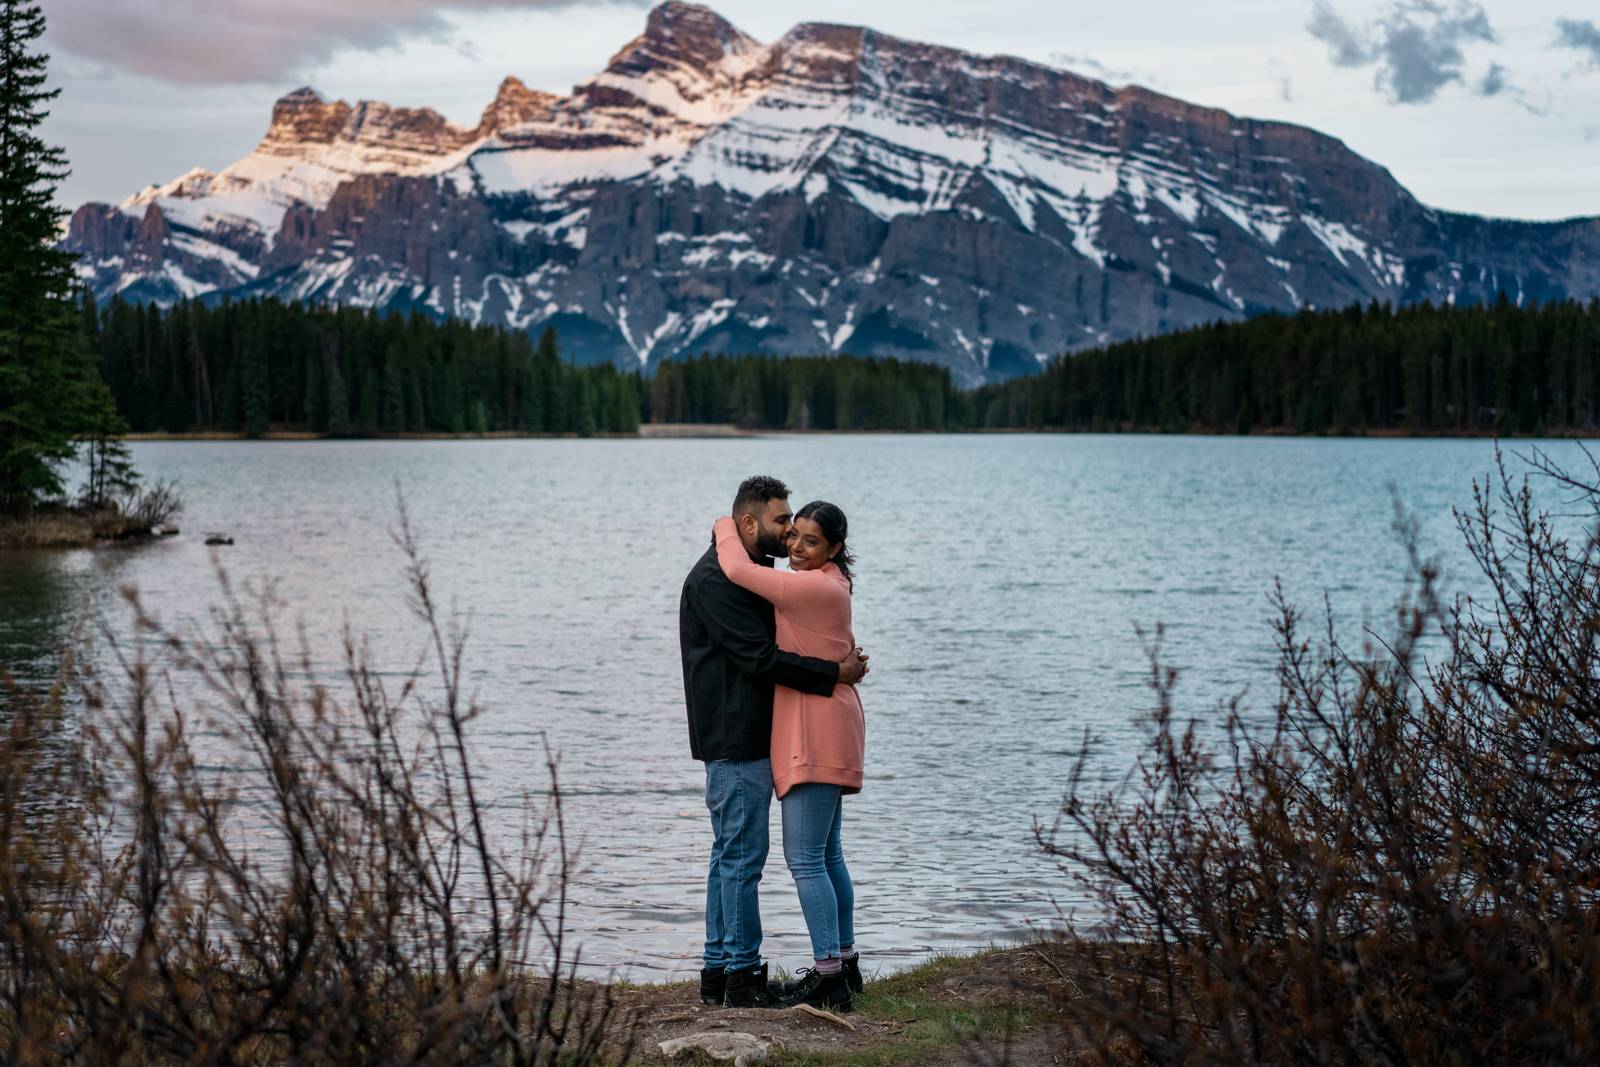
x=993, y=1007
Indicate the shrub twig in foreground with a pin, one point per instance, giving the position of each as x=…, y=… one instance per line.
x=334, y=900
x=1401, y=866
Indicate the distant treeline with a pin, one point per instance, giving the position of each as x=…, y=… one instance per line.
x=261, y=364
x=1498, y=369
x=812, y=393
x=256, y=365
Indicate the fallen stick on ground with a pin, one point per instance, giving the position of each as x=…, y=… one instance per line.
x=1052, y=964
x=1056, y=967
x=828, y=1015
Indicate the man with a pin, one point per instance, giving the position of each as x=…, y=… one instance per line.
x=730, y=664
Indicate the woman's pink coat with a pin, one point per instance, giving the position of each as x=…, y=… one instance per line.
x=814, y=739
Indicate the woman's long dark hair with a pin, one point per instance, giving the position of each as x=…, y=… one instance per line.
x=835, y=528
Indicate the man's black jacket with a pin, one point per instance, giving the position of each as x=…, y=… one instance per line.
x=731, y=663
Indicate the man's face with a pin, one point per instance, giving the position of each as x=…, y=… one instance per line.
x=773, y=524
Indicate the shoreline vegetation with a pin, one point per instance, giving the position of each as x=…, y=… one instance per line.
x=128, y=515
x=662, y=430
x=75, y=527
x=676, y=431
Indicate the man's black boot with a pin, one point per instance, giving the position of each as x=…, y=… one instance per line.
x=713, y=983
x=852, y=973
x=748, y=989
x=830, y=992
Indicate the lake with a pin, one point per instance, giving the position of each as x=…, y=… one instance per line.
x=1000, y=579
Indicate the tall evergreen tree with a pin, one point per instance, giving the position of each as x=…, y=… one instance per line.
x=394, y=403
x=632, y=400
x=338, y=403
x=253, y=370
x=547, y=359
x=45, y=374
x=583, y=418
x=367, y=412
x=110, y=466
x=532, y=397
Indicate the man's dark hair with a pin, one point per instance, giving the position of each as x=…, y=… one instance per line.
x=754, y=492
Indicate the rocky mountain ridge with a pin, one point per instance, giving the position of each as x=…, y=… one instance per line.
x=836, y=190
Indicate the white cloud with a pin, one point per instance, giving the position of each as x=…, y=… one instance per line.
x=1416, y=45
x=1581, y=34
x=228, y=42
x=1094, y=68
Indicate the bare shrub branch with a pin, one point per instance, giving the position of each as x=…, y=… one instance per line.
x=1401, y=865
x=312, y=882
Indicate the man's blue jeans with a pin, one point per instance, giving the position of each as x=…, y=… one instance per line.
x=739, y=796
x=813, y=813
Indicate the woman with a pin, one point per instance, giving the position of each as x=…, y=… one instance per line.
x=818, y=743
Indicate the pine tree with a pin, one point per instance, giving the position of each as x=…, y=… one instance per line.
x=45, y=374
x=338, y=399
x=111, y=471
x=253, y=371
x=204, y=416
x=744, y=405
x=368, y=410
x=552, y=379
x=583, y=418
x=455, y=405
x=532, y=398
x=416, y=412
x=394, y=404
x=632, y=399
x=663, y=391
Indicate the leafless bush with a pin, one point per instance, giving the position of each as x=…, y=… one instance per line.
x=1401, y=868
x=135, y=511
x=152, y=505
x=353, y=911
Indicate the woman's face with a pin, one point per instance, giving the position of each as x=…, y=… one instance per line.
x=808, y=548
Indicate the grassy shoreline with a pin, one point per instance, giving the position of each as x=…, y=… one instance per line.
x=660, y=430
x=76, y=527
x=937, y=1012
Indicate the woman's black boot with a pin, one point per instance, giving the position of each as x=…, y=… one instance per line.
x=852, y=973
x=830, y=992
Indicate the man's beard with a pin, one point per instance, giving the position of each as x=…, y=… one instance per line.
x=771, y=544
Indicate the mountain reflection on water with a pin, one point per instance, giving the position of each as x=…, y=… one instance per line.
x=1000, y=579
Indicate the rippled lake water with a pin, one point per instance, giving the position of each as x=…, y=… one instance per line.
x=1000, y=582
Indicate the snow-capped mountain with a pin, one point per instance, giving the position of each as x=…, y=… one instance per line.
x=835, y=190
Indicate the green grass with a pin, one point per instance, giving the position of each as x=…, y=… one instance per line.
x=911, y=997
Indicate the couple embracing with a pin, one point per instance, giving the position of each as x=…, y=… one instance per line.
x=769, y=671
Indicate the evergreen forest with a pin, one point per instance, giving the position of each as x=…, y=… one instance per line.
x=257, y=365
x=1498, y=369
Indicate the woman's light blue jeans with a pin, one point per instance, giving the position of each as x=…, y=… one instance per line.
x=812, y=814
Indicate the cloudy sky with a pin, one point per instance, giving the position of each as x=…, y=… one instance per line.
x=1490, y=107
